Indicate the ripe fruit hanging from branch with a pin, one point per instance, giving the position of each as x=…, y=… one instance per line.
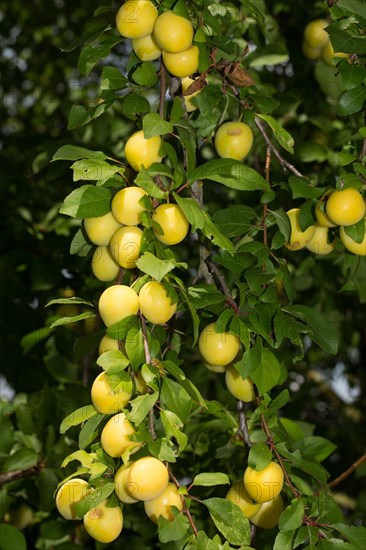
x=141, y=151
x=155, y=304
x=218, y=348
x=104, y=523
x=69, y=494
x=173, y=33
x=173, y=223
x=115, y=437
x=345, y=207
x=233, y=140
x=264, y=485
x=116, y=303
x=162, y=505
x=136, y=18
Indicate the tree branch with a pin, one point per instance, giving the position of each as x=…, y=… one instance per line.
x=243, y=428
x=185, y=507
x=148, y=361
x=162, y=89
x=348, y=472
x=221, y=279
x=20, y=474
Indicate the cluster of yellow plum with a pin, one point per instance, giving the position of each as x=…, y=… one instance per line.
x=316, y=44
x=337, y=208
x=168, y=35
x=258, y=495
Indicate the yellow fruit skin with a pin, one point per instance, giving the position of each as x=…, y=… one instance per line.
x=101, y=229
x=321, y=216
x=136, y=18
x=345, y=207
x=146, y=48
x=103, y=265
x=115, y=435
x=20, y=517
x=315, y=35
x=218, y=348
x=162, y=505
x=233, y=140
x=238, y=495
x=149, y=478
x=104, y=524
x=142, y=152
x=68, y=494
x=319, y=244
x=264, y=485
x=116, y=303
x=311, y=53
x=328, y=54
x=173, y=222
x=125, y=245
x=155, y=304
x=121, y=485
x=107, y=344
x=104, y=399
x=186, y=82
x=126, y=205
x=173, y=33
x=240, y=388
x=298, y=239
x=140, y=384
x=183, y=63
x=215, y=368
x=269, y=513
x=356, y=248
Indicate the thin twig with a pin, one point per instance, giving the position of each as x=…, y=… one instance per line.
x=284, y=163
x=265, y=207
x=243, y=428
x=221, y=279
x=348, y=472
x=148, y=361
x=162, y=89
x=185, y=507
x=20, y=474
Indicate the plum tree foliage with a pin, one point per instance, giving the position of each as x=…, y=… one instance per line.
x=202, y=265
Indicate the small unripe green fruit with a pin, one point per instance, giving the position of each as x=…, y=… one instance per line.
x=264, y=485
x=105, y=399
x=136, y=18
x=115, y=435
x=239, y=496
x=240, y=388
x=173, y=223
x=149, y=478
x=155, y=304
x=125, y=246
x=69, y=494
x=218, y=348
x=101, y=229
x=116, y=303
x=173, y=33
x=126, y=205
x=103, y=265
x=140, y=151
x=146, y=48
x=233, y=140
x=183, y=63
x=104, y=524
x=269, y=513
x=162, y=505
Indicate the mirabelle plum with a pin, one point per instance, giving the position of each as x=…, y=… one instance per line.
x=238, y=495
x=116, y=303
x=103, y=523
x=298, y=239
x=121, y=485
x=136, y=18
x=183, y=63
x=149, y=477
x=328, y=54
x=218, y=348
x=125, y=245
x=126, y=205
x=69, y=494
x=186, y=82
x=141, y=151
x=311, y=53
x=146, y=48
x=105, y=399
x=240, y=388
x=319, y=241
x=172, y=32
x=103, y=265
x=321, y=216
x=264, y=485
x=172, y=221
x=268, y=514
x=315, y=35
x=115, y=435
x=140, y=384
x=20, y=517
x=107, y=344
x=345, y=207
x=215, y=368
x=101, y=229
x=351, y=245
x=233, y=140
x=155, y=304
x=162, y=505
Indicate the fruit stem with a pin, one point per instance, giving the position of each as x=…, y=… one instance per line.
x=185, y=507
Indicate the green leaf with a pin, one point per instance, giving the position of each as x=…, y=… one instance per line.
x=90, y=55
x=283, y=541
x=88, y=201
x=33, y=338
x=92, y=500
x=356, y=535
x=113, y=79
x=87, y=38
x=203, y=295
x=171, y=530
x=211, y=479
x=72, y=319
x=302, y=189
x=229, y=520
x=93, y=170
x=323, y=331
x=113, y=361
x=342, y=41
x=162, y=449
x=77, y=417
x=140, y=407
x=235, y=220
x=134, y=105
x=20, y=460
x=85, y=459
x=175, y=398
x=79, y=245
x=145, y=75
x=231, y=173
x=154, y=125
x=291, y=518
x=135, y=347
x=282, y=221
x=352, y=101
x=74, y=300
x=260, y=455
x=316, y=447
x=74, y=152
x=11, y=538
x=271, y=54
x=192, y=310
x=119, y=330
x=89, y=430
x=145, y=181
x=156, y=268
x=267, y=373
x=172, y=425
x=282, y=136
